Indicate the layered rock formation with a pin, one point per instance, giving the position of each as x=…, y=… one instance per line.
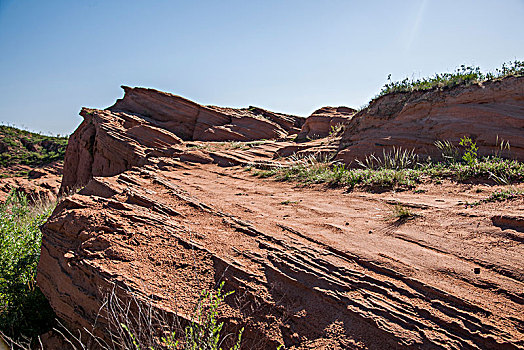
x=325, y=121
x=149, y=123
x=191, y=121
x=488, y=112
x=159, y=220
x=40, y=183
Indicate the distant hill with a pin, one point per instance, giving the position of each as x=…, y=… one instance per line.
x=21, y=147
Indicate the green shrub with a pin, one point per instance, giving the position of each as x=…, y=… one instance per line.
x=24, y=311
x=470, y=155
x=204, y=331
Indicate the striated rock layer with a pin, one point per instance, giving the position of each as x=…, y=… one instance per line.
x=148, y=123
x=325, y=270
x=160, y=218
x=191, y=121
x=416, y=120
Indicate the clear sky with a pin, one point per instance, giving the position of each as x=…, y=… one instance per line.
x=287, y=56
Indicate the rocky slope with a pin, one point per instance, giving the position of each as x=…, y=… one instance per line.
x=36, y=183
x=159, y=219
x=30, y=163
x=416, y=120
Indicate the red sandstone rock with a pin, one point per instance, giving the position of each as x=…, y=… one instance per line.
x=416, y=120
x=148, y=123
x=312, y=267
x=191, y=121
x=305, y=268
x=40, y=183
x=324, y=121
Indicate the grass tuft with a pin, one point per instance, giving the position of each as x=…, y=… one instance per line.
x=401, y=213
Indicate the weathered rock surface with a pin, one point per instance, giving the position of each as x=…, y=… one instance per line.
x=191, y=121
x=325, y=121
x=308, y=274
x=39, y=184
x=148, y=123
x=161, y=219
x=416, y=120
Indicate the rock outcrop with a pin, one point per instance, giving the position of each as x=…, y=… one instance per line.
x=148, y=123
x=325, y=121
x=191, y=121
x=487, y=112
x=158, y=219
x=39, y=184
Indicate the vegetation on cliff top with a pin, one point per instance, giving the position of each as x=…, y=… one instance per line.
x=21, y=147
x=464, y=75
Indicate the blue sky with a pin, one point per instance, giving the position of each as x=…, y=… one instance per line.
x=287, y=56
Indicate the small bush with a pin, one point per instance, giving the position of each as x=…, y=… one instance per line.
x=470, y=155
x=24, y=311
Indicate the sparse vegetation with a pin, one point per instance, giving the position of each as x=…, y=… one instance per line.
x=135, y=324
x=24, y=311
x=396, y=159
x=504, y=195
x=27, y=148
x=464, y=75
x=401, y=169
x=335, y=129
x=401, y=213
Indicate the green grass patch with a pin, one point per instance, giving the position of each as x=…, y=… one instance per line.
x=24, y=311
x=311, y=170
x=28, y=148
x=504, y=195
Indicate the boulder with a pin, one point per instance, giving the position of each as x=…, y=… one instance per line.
x=324, y=122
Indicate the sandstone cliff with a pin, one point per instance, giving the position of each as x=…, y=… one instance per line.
x=416, y=120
